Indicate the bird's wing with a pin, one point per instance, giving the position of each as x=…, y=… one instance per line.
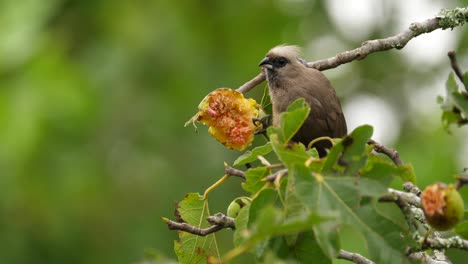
x=326, y=116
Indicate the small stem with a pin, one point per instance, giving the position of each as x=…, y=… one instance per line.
x=215, y=185
x=311, y=143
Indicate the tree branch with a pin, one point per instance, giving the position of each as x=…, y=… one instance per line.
x=446, y=19
x=219, y=221
x=272, y=177
x=423, y=257
x=453, y=62
x=395, y=42
x=445, y=243
x=252, y=83
x=411, y=188
x=402, y=198
x=353, y=257
x=391, y=153
x=234, y=172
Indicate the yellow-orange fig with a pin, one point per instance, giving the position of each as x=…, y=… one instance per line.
x=442, y=205
x=229, y=117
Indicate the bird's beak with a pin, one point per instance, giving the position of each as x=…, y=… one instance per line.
x=266, y=63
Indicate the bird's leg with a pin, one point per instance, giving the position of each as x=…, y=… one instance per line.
x=265, y=122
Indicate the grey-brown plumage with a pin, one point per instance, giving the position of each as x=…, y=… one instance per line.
x=289, y=79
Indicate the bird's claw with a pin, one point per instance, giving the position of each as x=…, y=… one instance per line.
x=264, y=122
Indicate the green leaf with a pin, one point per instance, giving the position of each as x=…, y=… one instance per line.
x=313, y=153
x=264, y=199
x=460, y=102
x=350, y=154
x=308, y=250
x=451, y=84
x=242, y=221
x=449, y=117
x=193, y=209
x=384, y=241
x=251, y=155
x=291, y=121
x=270, y=222
x=342, y=194
x=253, y=182
x=462, y=228
x=406, y=173
x=376, y=177
x=290, y=155
x=266, y=222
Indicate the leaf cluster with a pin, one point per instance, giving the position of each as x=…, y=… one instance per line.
x=301, y=217
x=455, y=103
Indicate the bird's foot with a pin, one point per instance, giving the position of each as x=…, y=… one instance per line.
x=264, y=122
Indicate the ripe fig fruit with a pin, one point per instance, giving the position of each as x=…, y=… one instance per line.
x=229, y=116
x=442, y=205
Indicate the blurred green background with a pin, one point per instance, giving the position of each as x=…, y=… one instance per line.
x=94, y=95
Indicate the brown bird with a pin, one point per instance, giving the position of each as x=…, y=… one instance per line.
x=289, y=79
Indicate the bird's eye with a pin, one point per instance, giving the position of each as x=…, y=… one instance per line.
x=280, y=62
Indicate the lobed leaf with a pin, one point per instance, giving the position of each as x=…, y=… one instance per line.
x=193, y=209
x=251, y=155
x=254, y=176
x=291, y=121
x=350, y=154
x=342, y=194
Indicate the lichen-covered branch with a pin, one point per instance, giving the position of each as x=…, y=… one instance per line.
x=394, y=42
x=412, y=188
x=423, y=257
x=445, y=243
x=449, y=18
x=353, y=257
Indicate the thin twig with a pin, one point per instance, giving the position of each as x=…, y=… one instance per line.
x=234, y=172
x=272, y=177
x=353, y=257
x=453, y=62
x=219, y=221
x=391, y=153
x=275, y=166
x=264, y=161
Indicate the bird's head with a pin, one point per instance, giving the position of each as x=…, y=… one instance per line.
x=282, y=61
